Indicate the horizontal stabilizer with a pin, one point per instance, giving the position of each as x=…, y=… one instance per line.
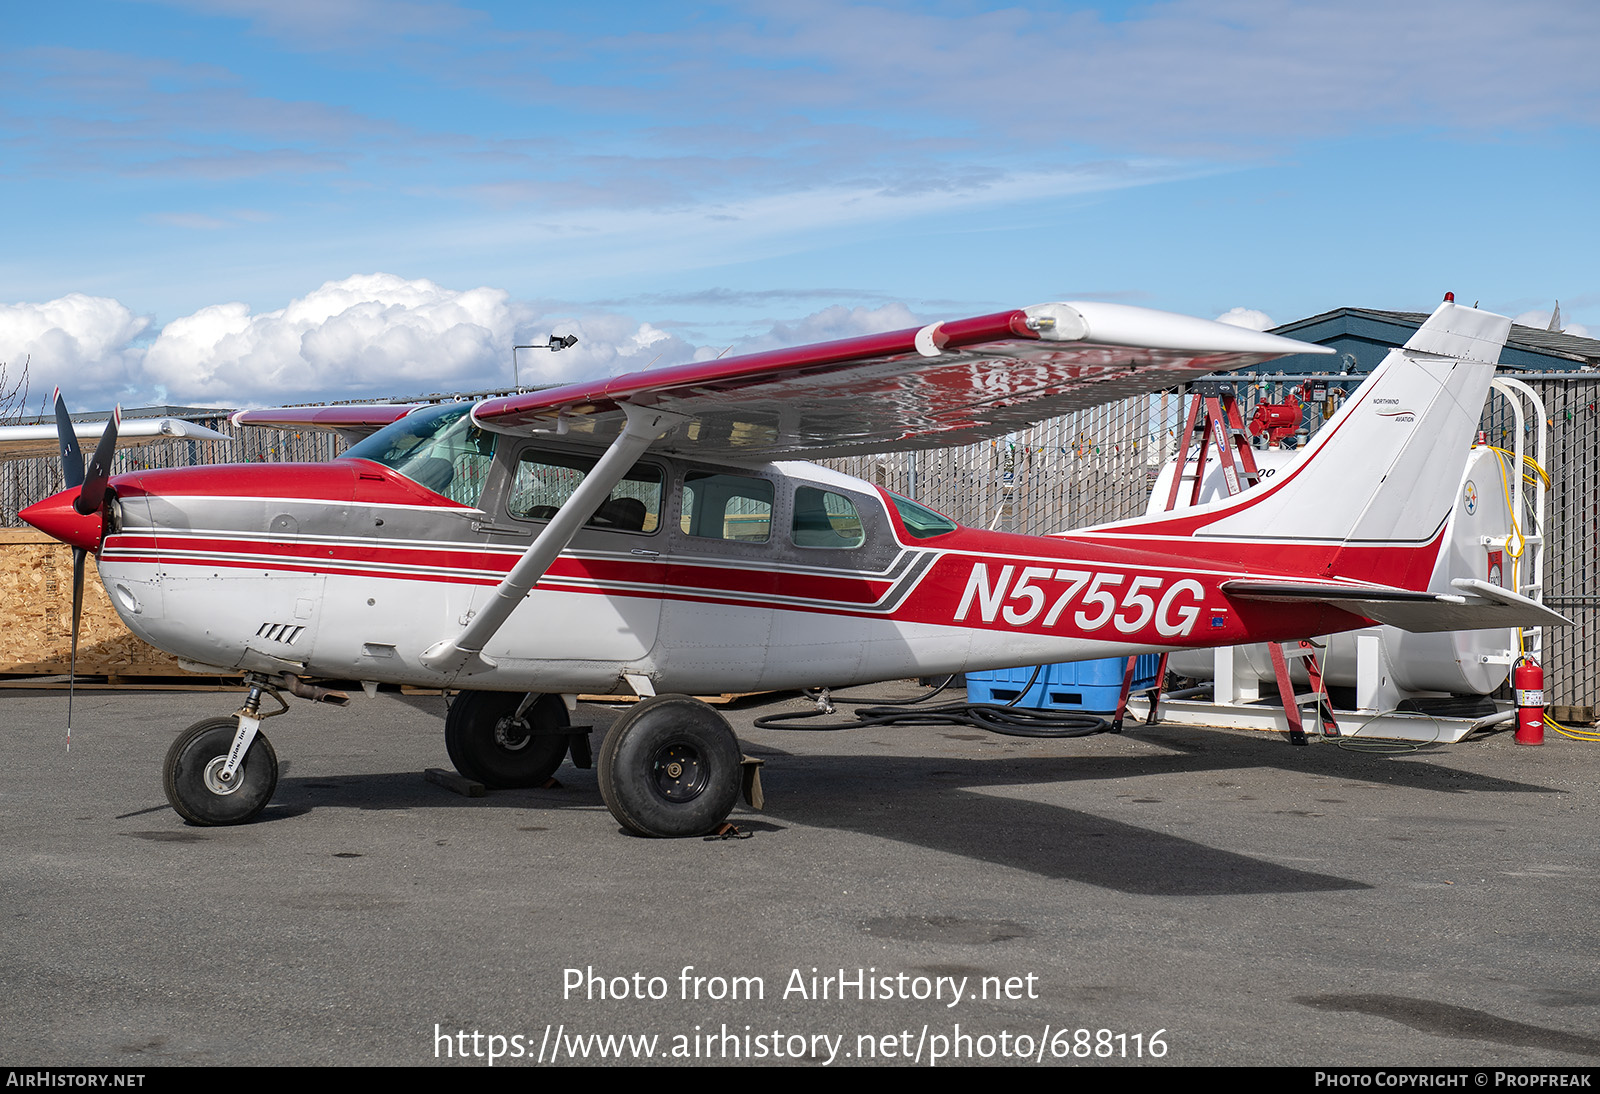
x=1479, y=606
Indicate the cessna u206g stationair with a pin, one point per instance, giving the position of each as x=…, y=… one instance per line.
x=650, y=533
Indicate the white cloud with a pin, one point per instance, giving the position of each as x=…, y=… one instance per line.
x=607, y=346
x=83, y=343
x=581, y=244
x=366, y=335
x=340, y=24
x=1183, y=72
x=197, y=222
x=380, y=335
x=1249, y=318
x=830, y=324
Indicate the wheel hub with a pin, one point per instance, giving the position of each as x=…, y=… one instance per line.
x=216, y=783
x=511, y=734
x=680, y=773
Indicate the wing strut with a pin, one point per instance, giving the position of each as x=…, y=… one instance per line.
x=463, y=655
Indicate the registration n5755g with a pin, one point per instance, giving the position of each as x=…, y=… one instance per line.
x=1145, y=599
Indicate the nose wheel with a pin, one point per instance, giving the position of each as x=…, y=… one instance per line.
x=198, y=785
x=670, y=767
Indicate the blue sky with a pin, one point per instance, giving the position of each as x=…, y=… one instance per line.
x=248, y=201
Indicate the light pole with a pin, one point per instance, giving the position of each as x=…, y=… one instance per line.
x=553, y=343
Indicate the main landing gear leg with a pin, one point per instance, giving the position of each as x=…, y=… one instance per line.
x=670, y=767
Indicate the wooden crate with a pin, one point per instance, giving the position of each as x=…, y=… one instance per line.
x=36, y=616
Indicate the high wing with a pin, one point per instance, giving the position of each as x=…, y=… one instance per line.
x=23, y=442
x=352, y=422
x=945, y=384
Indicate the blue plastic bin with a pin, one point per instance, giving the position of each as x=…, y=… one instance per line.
x=1092, y=686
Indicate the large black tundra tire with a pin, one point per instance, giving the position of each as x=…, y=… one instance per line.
x=670, y=767
x=487, y=746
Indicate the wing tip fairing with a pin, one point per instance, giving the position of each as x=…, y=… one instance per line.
x=1107, y=324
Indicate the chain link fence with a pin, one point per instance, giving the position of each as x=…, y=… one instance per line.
x=1572, y=533
x=1088, y=468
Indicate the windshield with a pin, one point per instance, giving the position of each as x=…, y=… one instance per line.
x=921, y=522
x=438, y=448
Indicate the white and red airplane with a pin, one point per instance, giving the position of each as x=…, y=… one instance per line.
x=648, y=533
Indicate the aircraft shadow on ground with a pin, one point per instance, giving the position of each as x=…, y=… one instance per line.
x=918, y=802
x=938, y=815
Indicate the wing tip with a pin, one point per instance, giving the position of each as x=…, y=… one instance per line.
x=1103, y=322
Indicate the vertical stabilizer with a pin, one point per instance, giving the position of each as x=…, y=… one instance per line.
x=1385, y=468
x=1382, y=472
x=1457, y=331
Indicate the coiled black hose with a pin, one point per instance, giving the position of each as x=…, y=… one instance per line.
x=1009, y=719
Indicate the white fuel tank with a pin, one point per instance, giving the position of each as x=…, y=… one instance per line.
x=1450, y=662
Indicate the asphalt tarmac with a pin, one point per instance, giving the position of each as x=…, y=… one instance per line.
x=925, y=895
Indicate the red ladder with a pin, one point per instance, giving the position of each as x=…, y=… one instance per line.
x=1214, y=414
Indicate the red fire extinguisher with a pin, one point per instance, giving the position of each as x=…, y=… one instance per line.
x=1527, y=680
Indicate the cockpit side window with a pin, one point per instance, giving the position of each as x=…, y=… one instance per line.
x=438, y=448
x=544, y=480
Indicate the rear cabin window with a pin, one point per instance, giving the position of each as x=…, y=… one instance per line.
x=732, y=507
x=825, y=519
x=545, y=480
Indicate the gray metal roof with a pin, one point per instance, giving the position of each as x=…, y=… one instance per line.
x=1570, y=347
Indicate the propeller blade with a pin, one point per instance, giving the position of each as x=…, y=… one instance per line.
x=71, y=454
x=79, y=556
x=93, y=494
